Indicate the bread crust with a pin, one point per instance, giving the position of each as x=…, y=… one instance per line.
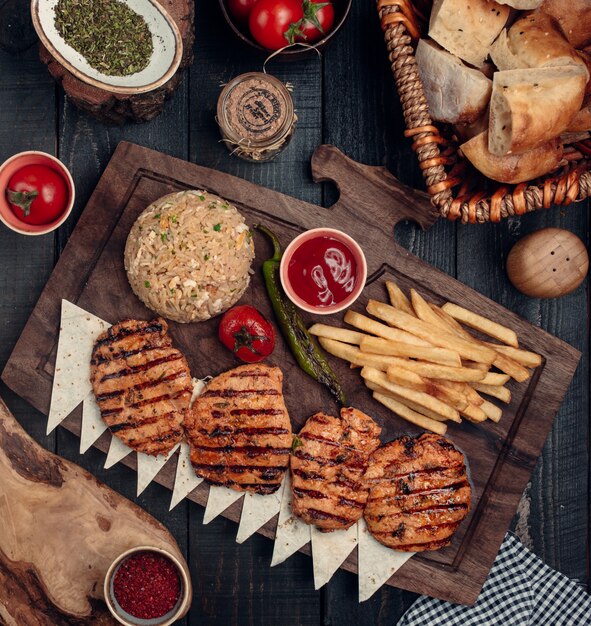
x=531, y=106
x=512, y=168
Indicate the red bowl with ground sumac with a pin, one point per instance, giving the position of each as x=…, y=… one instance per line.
x=147, y=587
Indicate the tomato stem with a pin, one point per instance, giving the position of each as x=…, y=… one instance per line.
x=22, y=199
x=244, y=339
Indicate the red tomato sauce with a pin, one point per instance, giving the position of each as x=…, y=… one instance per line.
x=323, y=271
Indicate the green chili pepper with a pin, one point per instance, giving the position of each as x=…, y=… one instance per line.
x=302, y=345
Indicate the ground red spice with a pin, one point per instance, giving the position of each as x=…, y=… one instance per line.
x=147, y=585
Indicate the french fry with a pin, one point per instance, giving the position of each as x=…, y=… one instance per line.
x=483, y=324
x=397, y=297
x=418, y=397
x=338, y=334
x=367, y=325
x=406, y=378
x=476, y=366
x=439, y=372
x=502, y=361
x=377, y=345
x=474, y=413
x=509, y=366
x=523, y=357
x=409, y=415
x=355, y=356
x=494, y=378
x=496, y=391
x=409, y=403
x=435, y=388
x=403, y=321
x=450, y=322
x=493, y=412
x=470, y=394
x=424, y=312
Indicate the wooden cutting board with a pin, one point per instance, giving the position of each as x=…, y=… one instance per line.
x=60, y=530
x=90, y=273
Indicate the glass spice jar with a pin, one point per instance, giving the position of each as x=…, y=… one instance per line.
x=256, y=116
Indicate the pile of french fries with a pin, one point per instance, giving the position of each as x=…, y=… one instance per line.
x=420, y=361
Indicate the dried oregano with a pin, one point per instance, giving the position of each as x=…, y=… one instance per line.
x=114, y=39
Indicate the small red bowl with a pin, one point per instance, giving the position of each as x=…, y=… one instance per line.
x=12, y=165
x=358, y=255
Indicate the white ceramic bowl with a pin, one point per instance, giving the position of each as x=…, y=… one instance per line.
x=360, y=261
x=165, y=60
x=181, y=607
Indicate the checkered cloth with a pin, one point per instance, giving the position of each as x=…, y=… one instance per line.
x=519, y=591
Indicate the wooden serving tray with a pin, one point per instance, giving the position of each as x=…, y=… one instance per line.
x=90, y=273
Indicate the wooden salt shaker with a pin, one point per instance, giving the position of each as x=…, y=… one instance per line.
x=548, y=263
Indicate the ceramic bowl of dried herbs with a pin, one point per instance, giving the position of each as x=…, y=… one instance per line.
x=121, y=46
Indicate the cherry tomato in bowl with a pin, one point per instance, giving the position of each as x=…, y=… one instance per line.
x=318, y=20
x=274, y=24
x=37, y=194
x=245, y=332
x=240, y=9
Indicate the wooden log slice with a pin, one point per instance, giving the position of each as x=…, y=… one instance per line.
x=118, y=108
x=60, y=530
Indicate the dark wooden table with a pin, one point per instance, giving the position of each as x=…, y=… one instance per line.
x=348, y=99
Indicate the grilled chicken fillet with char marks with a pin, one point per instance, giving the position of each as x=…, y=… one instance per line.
x=328, y=466
x=142, y=385
x=239, y=430
x=419, y=493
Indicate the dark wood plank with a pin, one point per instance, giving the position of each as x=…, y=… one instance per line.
x=501, y=456
x=27, y=122
x=554, y=513
x=236, y=583
x=369, y=128
x=86, y=145
x=16, y=27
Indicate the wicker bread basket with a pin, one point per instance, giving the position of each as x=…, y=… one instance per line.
x=457, y=190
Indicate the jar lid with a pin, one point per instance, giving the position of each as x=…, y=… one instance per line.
x=255, y=109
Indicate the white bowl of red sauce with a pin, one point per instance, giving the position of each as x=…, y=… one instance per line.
x=36, y=193
x=323, y=271
x=147, y=586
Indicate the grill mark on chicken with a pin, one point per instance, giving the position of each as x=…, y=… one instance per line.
x=120, y=331
x=248, y=374
x=251, y=412
x=141, y=386
x=244, y=441
x=237, y=393
x=123, y=354
x=136, y=369
x=336, y=520
x=328, y=468
x=419, y=493
x=142, y=400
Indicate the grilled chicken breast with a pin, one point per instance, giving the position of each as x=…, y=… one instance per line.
x=239, y=430
x=142, y=385
x=327, y=468
x=419, y=493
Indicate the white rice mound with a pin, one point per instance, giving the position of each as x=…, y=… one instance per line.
x=188, y=256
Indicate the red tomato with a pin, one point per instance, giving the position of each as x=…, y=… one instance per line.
x=241, y=9
x=247, y=333
x=318, y=20
x=37, y=194
x=274, y=23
